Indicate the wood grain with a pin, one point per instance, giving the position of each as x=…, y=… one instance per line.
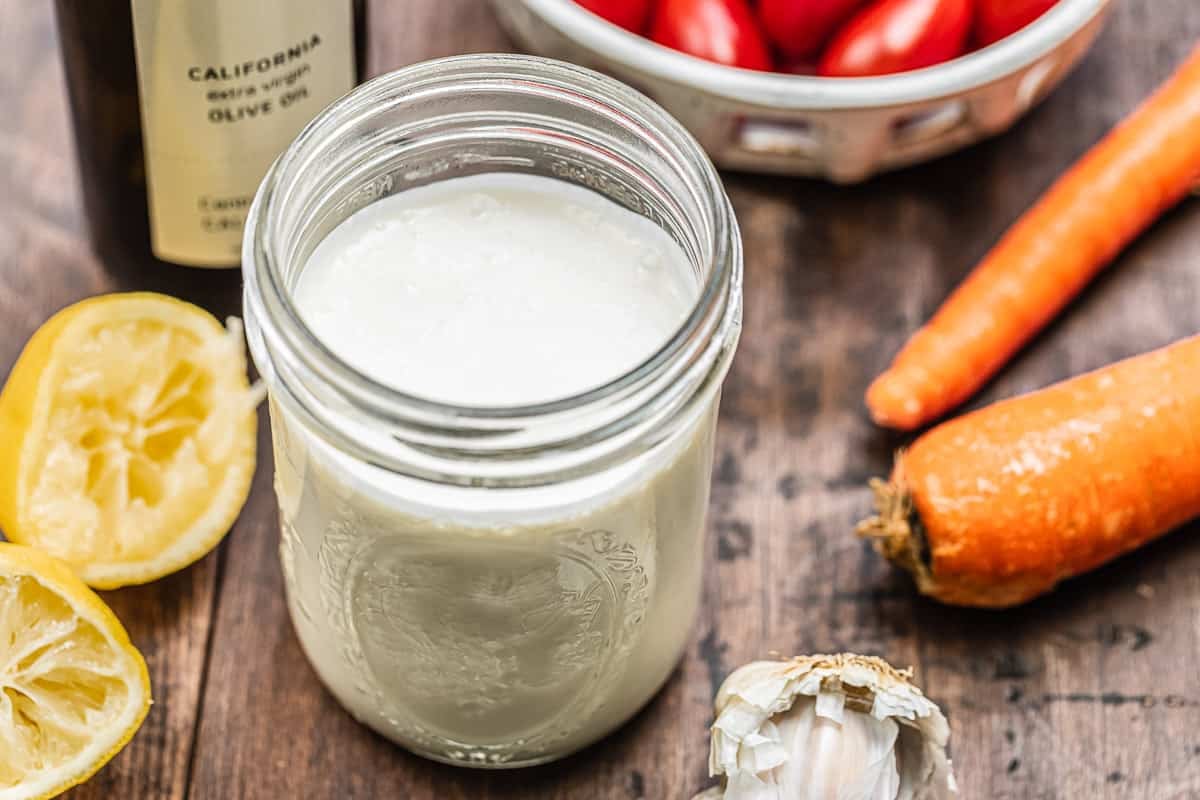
x=1091, y=692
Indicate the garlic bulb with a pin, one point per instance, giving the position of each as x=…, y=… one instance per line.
x=841, y=727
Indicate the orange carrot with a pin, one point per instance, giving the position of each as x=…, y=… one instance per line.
x=1142, y=168
x=996, y=507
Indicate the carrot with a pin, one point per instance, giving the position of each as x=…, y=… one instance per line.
x=1143, y=167
x=997, y=506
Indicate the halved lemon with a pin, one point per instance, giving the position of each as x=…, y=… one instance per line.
x=73, y=689
x=127, y=437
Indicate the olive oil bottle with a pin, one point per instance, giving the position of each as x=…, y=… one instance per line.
x=180, y=106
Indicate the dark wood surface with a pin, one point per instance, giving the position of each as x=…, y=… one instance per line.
x=1091, y=692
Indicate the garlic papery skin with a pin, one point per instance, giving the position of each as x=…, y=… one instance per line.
x=841, y=727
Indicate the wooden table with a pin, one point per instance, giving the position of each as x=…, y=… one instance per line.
x=1091, y=692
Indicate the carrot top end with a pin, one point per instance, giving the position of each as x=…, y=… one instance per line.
x=897, y=532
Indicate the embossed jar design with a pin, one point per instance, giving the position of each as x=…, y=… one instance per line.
x=498, y=586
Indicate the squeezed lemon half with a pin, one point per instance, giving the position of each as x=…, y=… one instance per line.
x=73, y=689
x=127, y=437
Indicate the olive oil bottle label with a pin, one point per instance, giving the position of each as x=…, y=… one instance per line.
x=225, y=85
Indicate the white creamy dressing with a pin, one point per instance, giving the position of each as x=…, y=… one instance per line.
x=496, y=289
x=494, y=626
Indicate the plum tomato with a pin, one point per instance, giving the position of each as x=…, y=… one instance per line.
x=891, y=36
x=724, y=31
x=997, y=19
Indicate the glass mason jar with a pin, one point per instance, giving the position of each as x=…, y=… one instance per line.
x=492, y=586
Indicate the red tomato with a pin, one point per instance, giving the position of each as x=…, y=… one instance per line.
x=800, y=27
x=898, y=35
x=724, y=31
x=996, y=19
x=632, y=15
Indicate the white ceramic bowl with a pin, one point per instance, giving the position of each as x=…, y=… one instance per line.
x=845, y=129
